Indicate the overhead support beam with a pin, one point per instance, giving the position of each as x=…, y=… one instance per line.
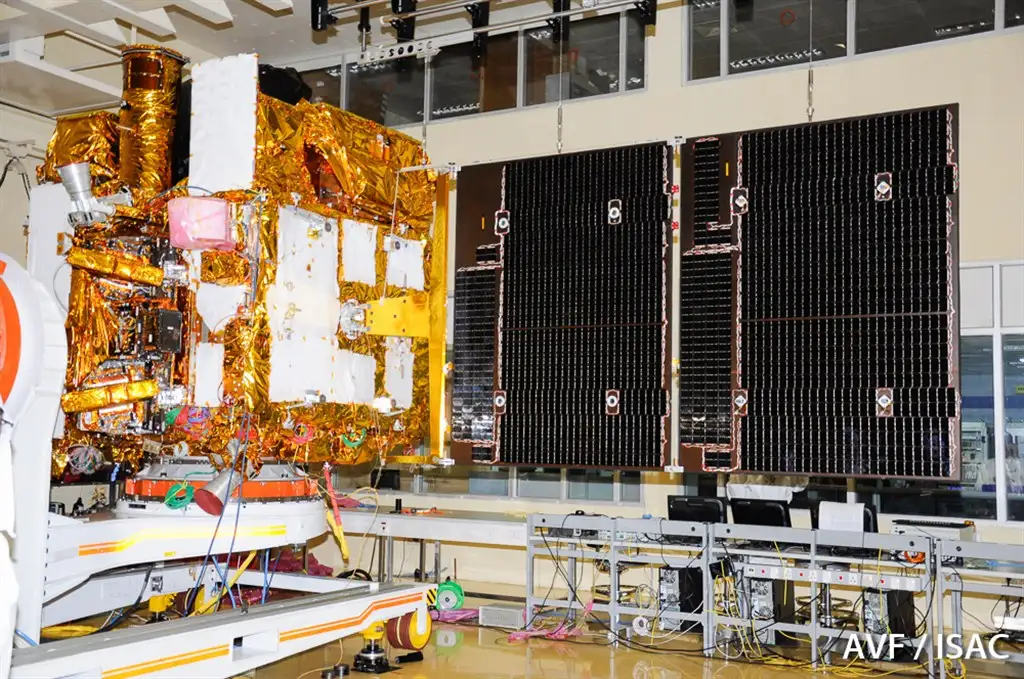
x=50, y=20
x=276, y=5
x=156, y=22
x=214, y=11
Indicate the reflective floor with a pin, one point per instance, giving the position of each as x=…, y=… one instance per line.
x=470, y=653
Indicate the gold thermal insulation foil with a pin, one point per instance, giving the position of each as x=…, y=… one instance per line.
x=151, y=82
x=109, y=395
x=118, y=266
x=85, y=138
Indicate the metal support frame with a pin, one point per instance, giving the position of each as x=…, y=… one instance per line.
x=808, y=557
x=223, y=644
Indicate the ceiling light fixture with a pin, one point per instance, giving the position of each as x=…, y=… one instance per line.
x=774, y=60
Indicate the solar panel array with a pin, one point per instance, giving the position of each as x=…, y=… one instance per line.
x=815, y=305
x=476, y=315
x=583, y=309
x=847, y=296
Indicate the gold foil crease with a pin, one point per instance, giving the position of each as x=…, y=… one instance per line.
x=109, y=395
x=85, y=138
x=91, y=326
x=116, y=265
x=151, y=81
x=366, y=158
x=224, y=268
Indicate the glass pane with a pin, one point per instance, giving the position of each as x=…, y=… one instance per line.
x=589, y=66
x=1014, y=13
x=636, y=52
x=463, y=480
x=1013, y=397
x=885, y=24
x=705, y=33
x=769, y=34
x=591, y=484
x=390, y=93
x=818, y=490
x=460, y=87
x=541, y=482
x=326, y=85
x=629, y=486
x=974, y=497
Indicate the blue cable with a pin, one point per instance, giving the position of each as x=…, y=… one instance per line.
x=246, y=419
x=190, y=599
x=26, y=638
x=266, y=575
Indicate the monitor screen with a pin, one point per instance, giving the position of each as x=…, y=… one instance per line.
x=760, y=512
x=696, y=509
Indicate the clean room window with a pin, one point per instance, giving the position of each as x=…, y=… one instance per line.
x=1013, y=423
x=769, y=33
x=390, y=92
x=462, y=85
x=588, y=65
x=886, y=24
x=705, y=35
x=326, y=85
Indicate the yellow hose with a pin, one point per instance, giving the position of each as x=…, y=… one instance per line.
x=231, y=583
x=66, y=631
x=339, y=535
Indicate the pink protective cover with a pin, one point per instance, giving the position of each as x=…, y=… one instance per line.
x=200, y=223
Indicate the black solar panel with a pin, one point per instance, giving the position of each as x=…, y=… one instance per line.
x=476, y=315
x=583, y=309
x=848, y=342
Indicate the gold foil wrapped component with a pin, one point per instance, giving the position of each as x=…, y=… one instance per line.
x=124, y=267
x=224, y=268
x=85, y=138
x=91, y=327
x=280, y=148
x=108, y=395
x=151, y=80
x=366, y=158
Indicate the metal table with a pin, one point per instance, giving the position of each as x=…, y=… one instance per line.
x=478, y=528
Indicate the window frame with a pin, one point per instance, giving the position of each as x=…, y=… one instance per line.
x=999, y=28
x=419, y=489
x=350, y=58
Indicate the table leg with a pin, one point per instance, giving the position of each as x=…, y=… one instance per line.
x=437, y=561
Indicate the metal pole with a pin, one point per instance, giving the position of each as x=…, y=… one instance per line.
x=437, y=561
x=380, y=558
x=422, y=570
x=436, y=9
x=389, y=559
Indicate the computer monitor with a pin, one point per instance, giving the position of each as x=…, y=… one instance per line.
x=870, y=517
x=696, y=509
x=760, y=512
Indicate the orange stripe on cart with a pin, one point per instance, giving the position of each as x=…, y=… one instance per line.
x=169, y=662
x=313, y=630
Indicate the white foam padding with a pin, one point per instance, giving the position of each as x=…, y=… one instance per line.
x=218, y=304
x=398, y=360
x=303, y=310
x=222, y=145
x=209, y=374
x=48, y=210
x=405, y=264
x=358, y=252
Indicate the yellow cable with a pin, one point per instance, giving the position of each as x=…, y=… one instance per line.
x=67, y=631
x=339, y=535
x=223, y=590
